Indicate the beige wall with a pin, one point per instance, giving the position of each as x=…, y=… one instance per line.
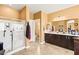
x=42, y=16
x=43, y=24
x=6, y=11
x=25, y=13
x=65, y=25
x=69, y=13
x=31, y=15
x=43, y=20
x=76, y=26
x=22, y=13
x=9, y=12
x=37, y=15
x=58, y=23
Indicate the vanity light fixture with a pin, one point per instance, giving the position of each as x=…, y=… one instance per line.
x=59, y=18
x=70, y=21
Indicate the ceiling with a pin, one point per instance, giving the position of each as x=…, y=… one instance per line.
x=44, y=7
x=16, y=6
x=48, y=7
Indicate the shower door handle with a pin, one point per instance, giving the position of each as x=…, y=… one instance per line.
x=4, y=33
x=11, y=40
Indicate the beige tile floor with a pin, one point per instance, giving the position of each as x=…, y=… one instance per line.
x=44, y=49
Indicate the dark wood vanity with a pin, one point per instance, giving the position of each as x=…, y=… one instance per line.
x=76, y=46
x=65, y=41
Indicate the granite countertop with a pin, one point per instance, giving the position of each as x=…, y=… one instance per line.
x=62, y=34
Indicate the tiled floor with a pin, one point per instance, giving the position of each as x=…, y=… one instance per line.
x=44, y=49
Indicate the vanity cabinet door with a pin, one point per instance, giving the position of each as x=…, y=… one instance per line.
x=54, y=39
x=62, y=41
x=50, y=38
x=70, y=43
x=76, y=47
x=58, y=40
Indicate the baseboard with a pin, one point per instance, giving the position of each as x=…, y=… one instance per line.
x=43, y=42
x=14, y=51
x=27, y=47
